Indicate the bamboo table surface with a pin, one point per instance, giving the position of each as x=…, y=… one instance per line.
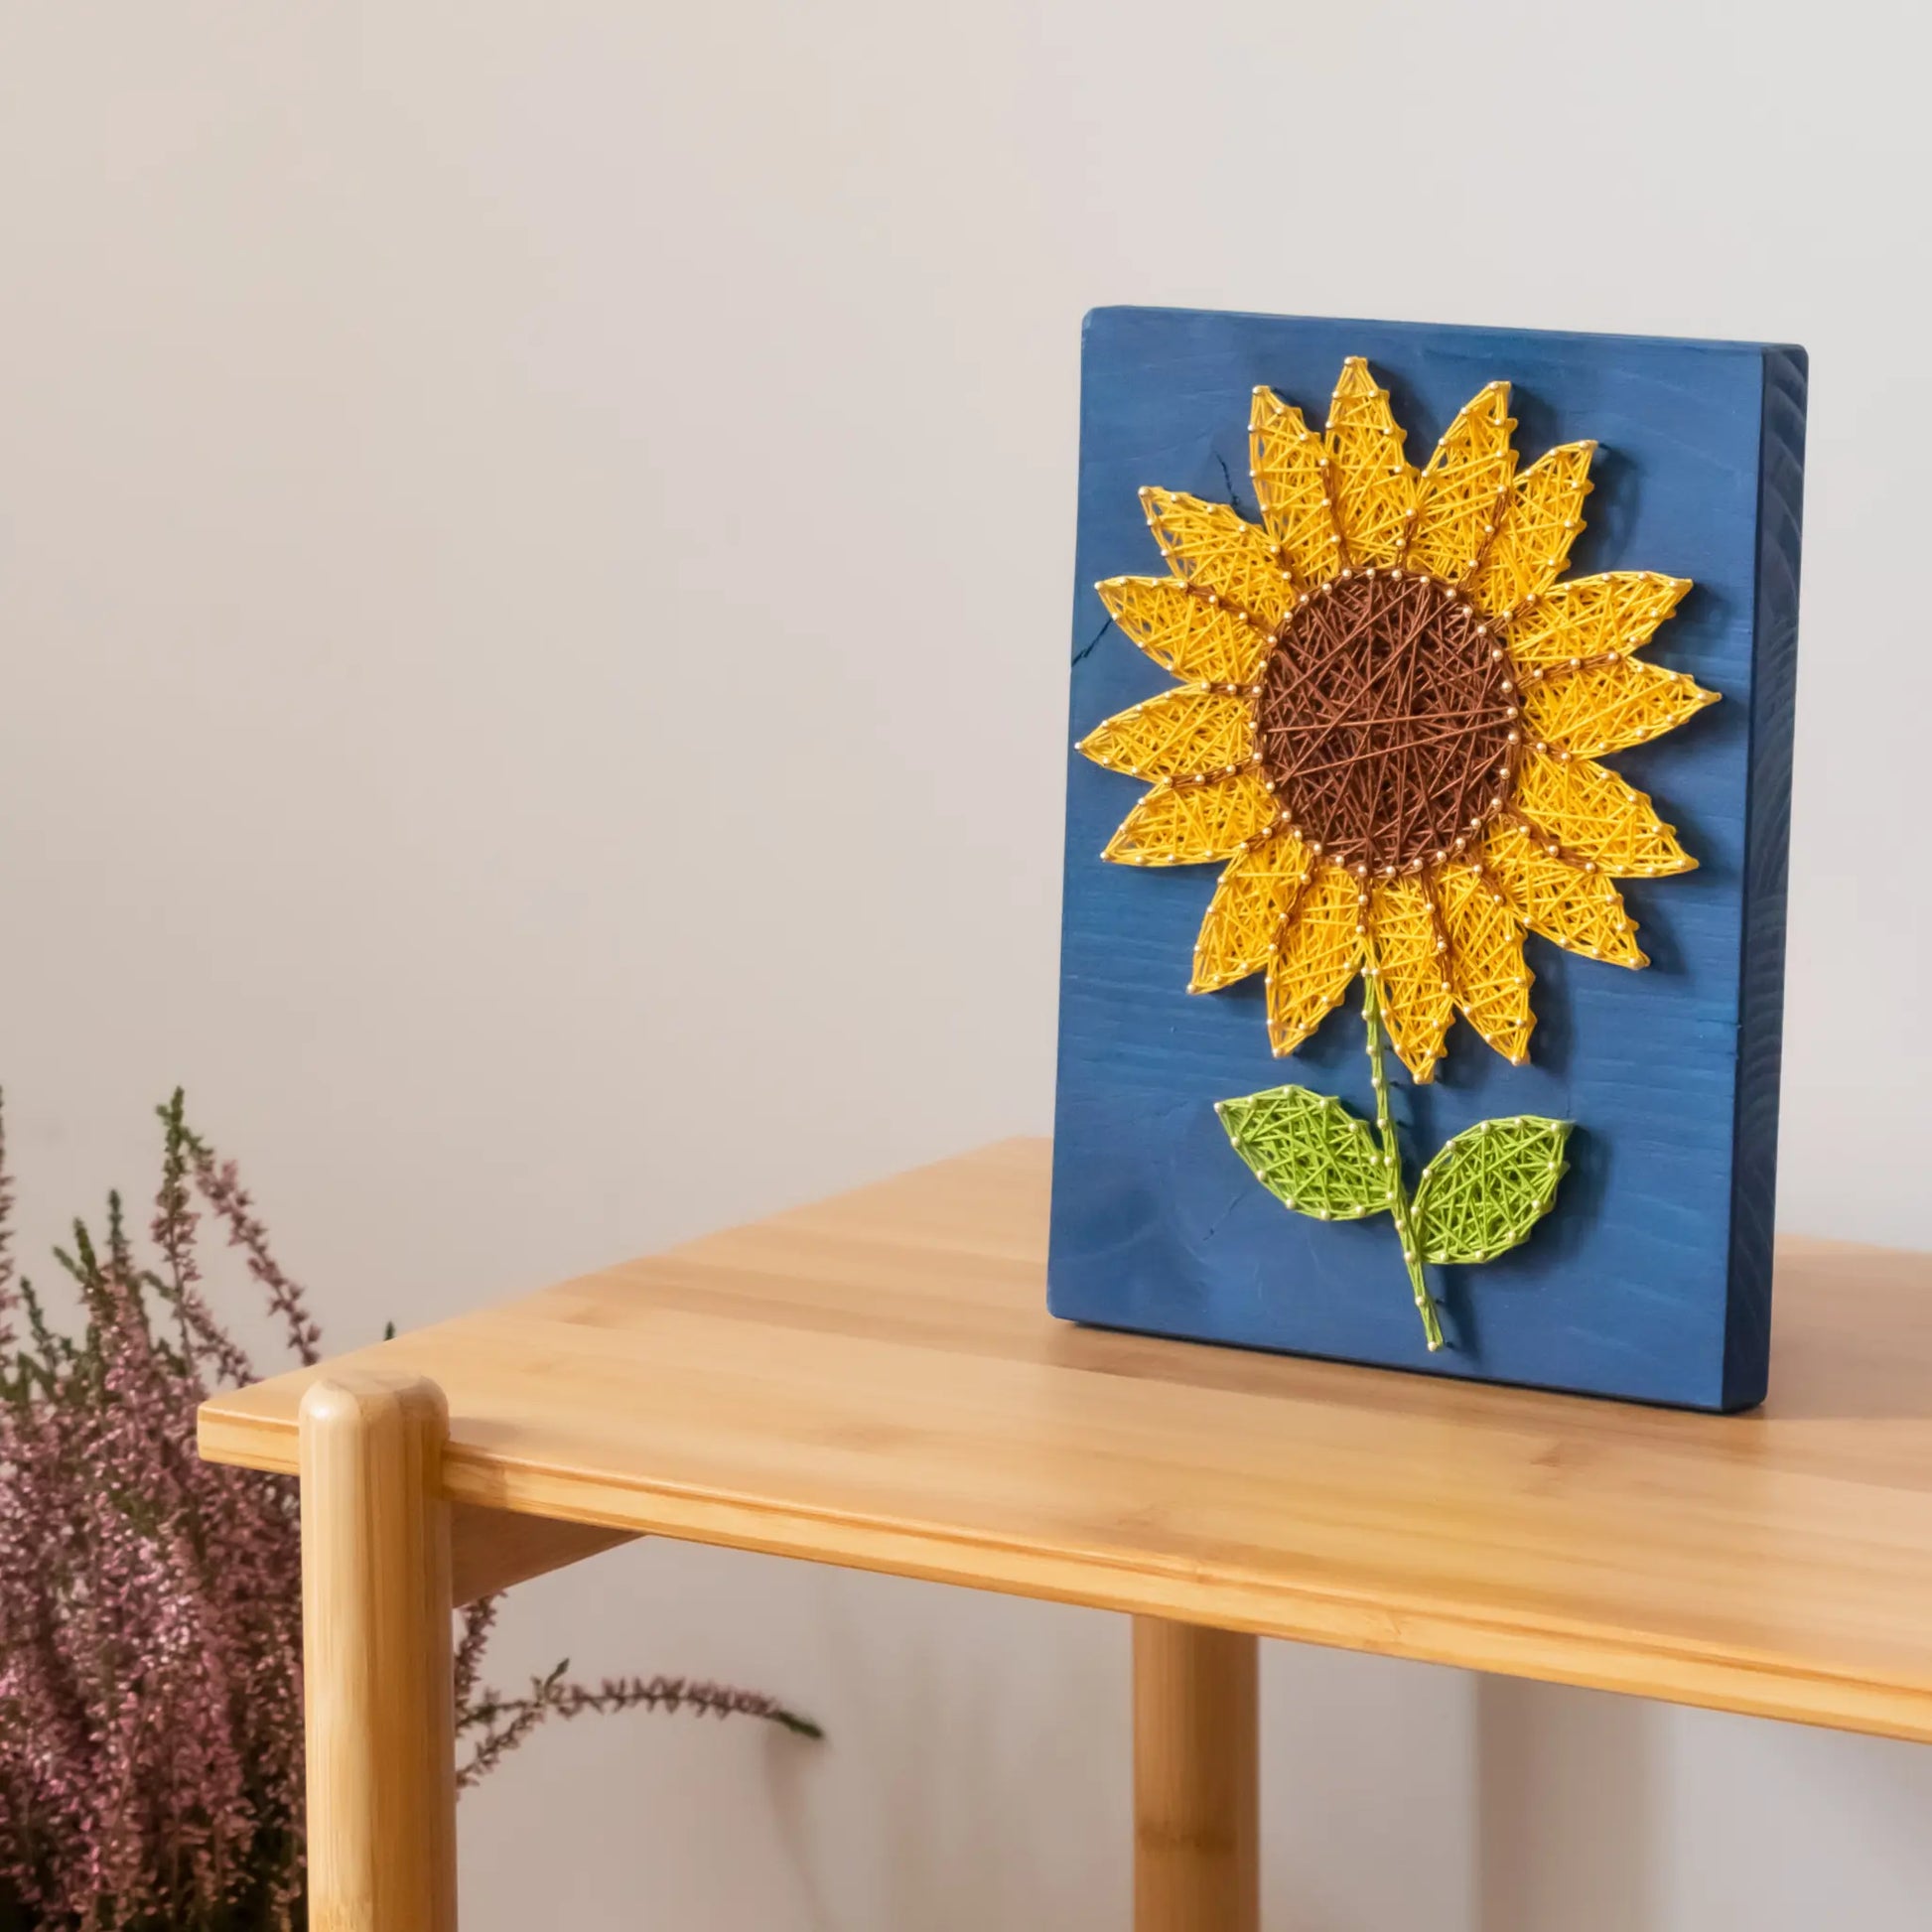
x=874, y=1381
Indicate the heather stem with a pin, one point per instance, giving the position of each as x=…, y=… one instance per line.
x=151, y=1764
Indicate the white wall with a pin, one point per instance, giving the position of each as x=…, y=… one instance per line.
x=534, y=555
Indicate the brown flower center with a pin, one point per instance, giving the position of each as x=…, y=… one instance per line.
x=1386, y=722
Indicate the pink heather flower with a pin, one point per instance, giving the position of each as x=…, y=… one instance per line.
x=150, y=1603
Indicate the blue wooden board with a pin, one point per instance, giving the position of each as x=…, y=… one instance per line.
x=1652, y=1278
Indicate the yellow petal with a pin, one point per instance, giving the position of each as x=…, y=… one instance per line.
x=1593, y=618
x=1609, y=706
x=1543, y=518
x=1184, y=634
x=1568, y=906
x=1599, y=817
x=1410, y=953
x=1289, y=467
x=1187, y=825
x=1462, y=496
x=1217, y=551
x=1486, y=965
x=1244, y=922
x=1184, y=734
x=1374, y=485
x=1317, y=958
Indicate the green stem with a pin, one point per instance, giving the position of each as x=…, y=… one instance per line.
x=1431, y=1321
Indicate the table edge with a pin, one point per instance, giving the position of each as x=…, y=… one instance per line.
x=1622, y=1661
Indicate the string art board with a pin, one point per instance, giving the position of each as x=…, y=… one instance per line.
x=1424, y=936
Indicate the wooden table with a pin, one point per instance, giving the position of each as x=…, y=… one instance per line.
x=874, y=1381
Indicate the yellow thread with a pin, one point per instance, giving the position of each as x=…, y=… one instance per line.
x=1374, y=485
x=1540, y=851
x=1411, y=957
x=1592, y=812
x=1592, y=617
x=1178, y=735
x=1198, y=641
x=1243, y=925
x=1315, y=960
x=1486, y=965
x=1570, y=908
x=1187, y=825
x=1610, y=707
x=1218, y=551
x=1291, y=475
x=1543, y=519
x=1460, y=500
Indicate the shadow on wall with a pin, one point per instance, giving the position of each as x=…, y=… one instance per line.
x=984, y=1778
x=1606, y=1814
x=1568, y=1793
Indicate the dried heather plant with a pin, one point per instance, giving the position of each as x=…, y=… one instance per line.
x=150, y=1603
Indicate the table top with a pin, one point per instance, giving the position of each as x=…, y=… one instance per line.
x=874, y=1381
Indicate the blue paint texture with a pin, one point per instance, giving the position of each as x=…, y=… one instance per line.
x=1651, y=1279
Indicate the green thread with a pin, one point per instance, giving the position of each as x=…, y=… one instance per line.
x=1482, y=1192
x=1309, y=1151
x=1431, y=1320
x=1488, y=1186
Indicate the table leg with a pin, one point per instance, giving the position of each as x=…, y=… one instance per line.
x=376, y=1657
x=1196, y=1780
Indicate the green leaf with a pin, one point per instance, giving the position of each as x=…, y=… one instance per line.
x=1488, y=1186
x=1309, y=1151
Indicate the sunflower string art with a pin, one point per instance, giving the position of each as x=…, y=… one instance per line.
x=1372, y=731
x=1391, y=708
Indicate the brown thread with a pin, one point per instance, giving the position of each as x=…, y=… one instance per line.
x=1387, y=720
